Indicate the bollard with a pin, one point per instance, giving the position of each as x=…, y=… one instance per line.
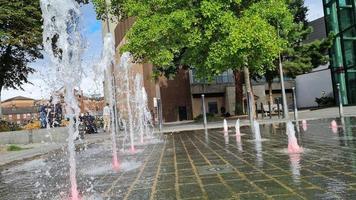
x=204, y=111
x=159, y=109
x=295, y=105
x=270, y=110
x=341, y=110
x=256, y=110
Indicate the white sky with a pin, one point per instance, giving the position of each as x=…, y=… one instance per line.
x=40, y=88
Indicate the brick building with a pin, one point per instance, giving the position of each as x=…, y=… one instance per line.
x=93, y=105
x=20, y=109
x=174, y=93
x=181, y=96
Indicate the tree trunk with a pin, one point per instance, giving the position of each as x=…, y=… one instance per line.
x=270, y=93
x=251, y=100
x=238, y=92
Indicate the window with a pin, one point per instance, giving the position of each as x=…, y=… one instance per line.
x=225, y=77
x=10, y=117
x=213, y=107
x=18, y=116
x=24, y=116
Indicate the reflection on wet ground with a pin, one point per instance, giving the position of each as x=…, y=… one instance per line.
x=202, y=165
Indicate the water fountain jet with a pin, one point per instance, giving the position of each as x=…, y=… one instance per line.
x=304, y=125
x=256, y=130
x=237, y=128
x=334, y=126
x=125, y=64
x=105, y=67
x=63, y=43
x=293, y=146
x=226, y=128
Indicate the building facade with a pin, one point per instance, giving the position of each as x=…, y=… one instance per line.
x=340, y=16
x=318, y=83
x=20, y=109
x=174, y=93
x=220, y=93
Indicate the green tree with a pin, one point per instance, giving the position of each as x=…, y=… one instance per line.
x=210, y=35
x=20, y=41
x=299, y=57
x=114, y=9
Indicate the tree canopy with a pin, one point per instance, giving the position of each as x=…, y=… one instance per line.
x=209, y=35
x=20, y=40
x=300, y=57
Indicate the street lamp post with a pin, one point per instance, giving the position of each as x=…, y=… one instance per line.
x=160, y=116
x=204, y=110
x=284, y=98
x=295, y=105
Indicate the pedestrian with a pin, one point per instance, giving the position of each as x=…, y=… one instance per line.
x=106, y=117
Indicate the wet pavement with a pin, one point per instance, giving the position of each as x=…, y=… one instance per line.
x=201, y=165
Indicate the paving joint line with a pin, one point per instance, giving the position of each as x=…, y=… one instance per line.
x=279, y=169
x=139, y=174
x=236, y=170
x=220, y=177
x=154, y=191
x=200, y=183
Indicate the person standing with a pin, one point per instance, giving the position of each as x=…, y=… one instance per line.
x=106, y=117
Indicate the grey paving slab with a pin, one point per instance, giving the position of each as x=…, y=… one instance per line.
x=200, y=165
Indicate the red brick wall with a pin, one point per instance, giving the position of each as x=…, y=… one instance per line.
x=175, y=93
x=22, y=119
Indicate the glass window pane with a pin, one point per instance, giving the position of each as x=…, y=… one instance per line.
x=346, y=17
x=351, y=84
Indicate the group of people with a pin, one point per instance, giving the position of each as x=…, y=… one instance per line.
x=88, y=124
x=51, y=115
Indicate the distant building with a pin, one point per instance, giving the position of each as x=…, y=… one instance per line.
x=220, y=93
x=18, y=101
x=93, y=105
x=181, y=95
x=317, y=83
x=20, y=109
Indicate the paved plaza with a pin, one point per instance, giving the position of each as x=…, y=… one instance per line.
x=332, y=112
x=201, y=165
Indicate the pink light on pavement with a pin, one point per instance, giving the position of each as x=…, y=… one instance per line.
x=115, y=164
x=333, y=124
x=74, y=194
x=132, y=150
